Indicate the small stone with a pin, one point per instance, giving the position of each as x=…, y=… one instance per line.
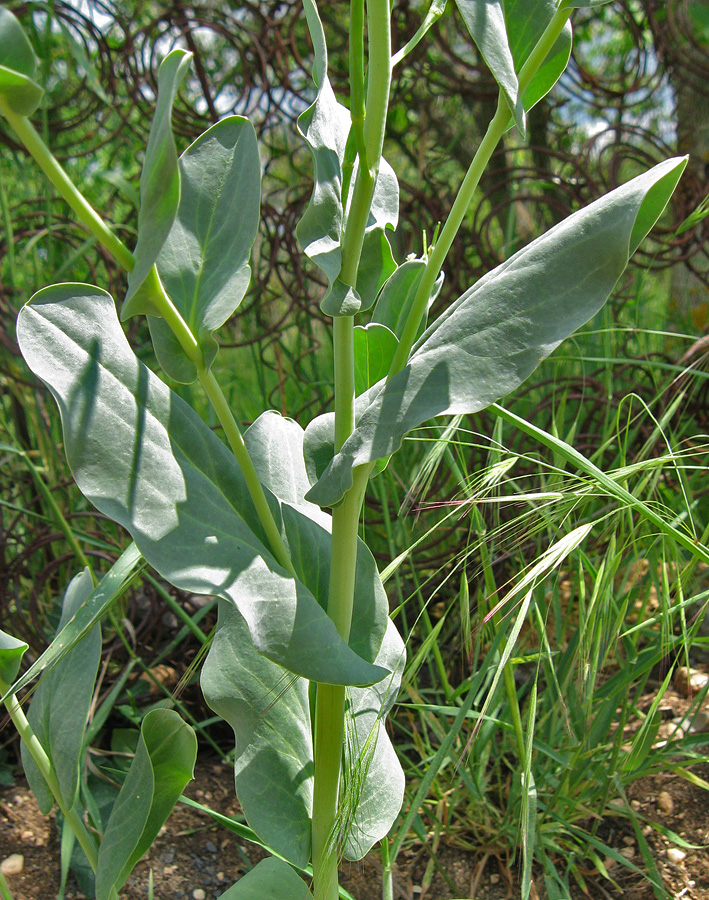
x=13, y=865
x=210, y=847
x=665, y=803
x=220, y=876
x=675, y=855
x=690, y=681
x=494, y=879
x=635, y=804
x=169, y=870
x=628, y=841
x=198, y=894
x=628, y=852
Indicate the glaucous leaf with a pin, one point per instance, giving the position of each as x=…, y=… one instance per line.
x=397, y=296
x=486, y=24
x=325, y=127
x=102, y=597
x=268, y=710
x=204, y=262
x=276, y=446
x=145, y=458
x=271, y=879
x=161, y=768
x=18, y=65
x=60, y=705
x=374, y=785
x=526, y=20
x=159, y=184
x=488, y=342
x=12, y=650
x=374, y=349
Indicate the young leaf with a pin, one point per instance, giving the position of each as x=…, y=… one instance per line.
x=397, y=296
x=271, y=879
x=204, y=263
x=159, y=184
x=145, y=458
x=163, y=764
x=269, y=712
x=486, y=25
x=12, y=650
x=374, y=349
x=496, y=333
x=325, y=127
x=18, y=64
x=60, y=704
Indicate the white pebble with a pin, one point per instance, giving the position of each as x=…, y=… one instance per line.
x=675, y=855
x=198, y=894
x=628, y=852
x=13, y=865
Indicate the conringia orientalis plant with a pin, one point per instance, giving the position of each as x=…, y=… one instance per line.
x=305, y=663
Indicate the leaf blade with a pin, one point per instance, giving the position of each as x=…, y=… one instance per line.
x=497, y=332
x=143, y=457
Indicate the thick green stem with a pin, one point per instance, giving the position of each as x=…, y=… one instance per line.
x=330, y=702
x=330, y=699
x=30, y=740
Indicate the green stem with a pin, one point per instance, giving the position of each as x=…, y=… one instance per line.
x=497, y=127
x=495, y=130
x=30, y=740
x=330, y=700
x=255, y=488
x=86, y=214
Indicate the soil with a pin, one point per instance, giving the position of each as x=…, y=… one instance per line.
x=192, y=854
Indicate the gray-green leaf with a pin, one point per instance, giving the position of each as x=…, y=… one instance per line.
x=485, y=22
x=204, y=262
x=60, y=705
x=276, y=446
x=161, y=768
x=271, y=879
x=18, y=64
x=159, y=184
x=496, y=333
x=145, y=459
x=267, y=708
x=104, y=595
